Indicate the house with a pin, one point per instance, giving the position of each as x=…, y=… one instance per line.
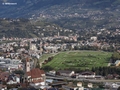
x=51, y=73
x=94, y=38
x=115, y=85
x=90, y=85
x=88, y=75
x=85, y=74
x=13, y=79
x=71, y=86
x=112, y=85
x=112, y=76
x=117, y=63
x=9, y=78
x=3, y=87
x=65, y=73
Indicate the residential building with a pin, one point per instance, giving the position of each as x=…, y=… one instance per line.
x=117, y=63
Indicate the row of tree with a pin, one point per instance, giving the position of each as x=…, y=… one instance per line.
x=115, y=56
x=104, y=71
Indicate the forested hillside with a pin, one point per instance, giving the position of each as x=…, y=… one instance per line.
x=29, y=7
x=69, y=14
x=25, y=28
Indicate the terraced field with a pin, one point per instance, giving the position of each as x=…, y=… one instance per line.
x=79, y=60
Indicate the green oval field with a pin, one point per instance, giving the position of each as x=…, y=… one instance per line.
x=79, y=60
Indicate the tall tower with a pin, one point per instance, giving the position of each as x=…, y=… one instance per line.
x=26, y=69
x=27, y=65
x=58, y=34
x=3, y=37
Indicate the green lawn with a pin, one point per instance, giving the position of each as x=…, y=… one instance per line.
x=79, y=59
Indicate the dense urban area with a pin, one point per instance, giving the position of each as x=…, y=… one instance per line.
x=20, y=60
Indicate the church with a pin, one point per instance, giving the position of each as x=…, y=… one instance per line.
x=35, y=77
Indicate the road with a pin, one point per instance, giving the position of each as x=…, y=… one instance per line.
x=85, y=80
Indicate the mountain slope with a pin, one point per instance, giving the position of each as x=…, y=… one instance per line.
x=24, y=28
x=24, y=7
x=71, y=14
x=28, y=7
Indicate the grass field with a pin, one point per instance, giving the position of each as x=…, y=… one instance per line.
x=79, y=59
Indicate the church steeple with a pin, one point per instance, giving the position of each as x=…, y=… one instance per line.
x=27, y=65
x=3, y=37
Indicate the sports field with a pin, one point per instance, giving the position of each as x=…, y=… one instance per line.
x=79, y=60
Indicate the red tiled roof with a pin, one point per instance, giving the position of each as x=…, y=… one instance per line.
x=87, y=73
x=4, y=75
x=35, y=73
x=24, y=85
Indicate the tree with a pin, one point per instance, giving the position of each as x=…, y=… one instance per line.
x=47, y=68
x=115, y=56
x=38, y=64
x=20, y=72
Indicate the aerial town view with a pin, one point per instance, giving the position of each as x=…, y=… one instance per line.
x=59, y=44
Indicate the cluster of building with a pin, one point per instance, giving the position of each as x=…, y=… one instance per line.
x=35, y=78
x=31, y=78
x=102, y=39
x=10, y=64
x=13, y=56
x=86, y=76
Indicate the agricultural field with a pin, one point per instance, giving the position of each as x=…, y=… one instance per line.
x=79, y=60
